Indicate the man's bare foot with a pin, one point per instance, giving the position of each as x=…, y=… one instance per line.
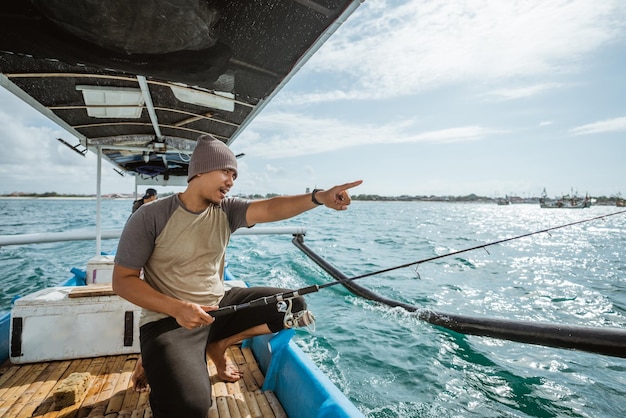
x=226, y=372
x=231, y=374
x=139, y=379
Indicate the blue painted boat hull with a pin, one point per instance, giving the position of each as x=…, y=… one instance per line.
x=301, y=387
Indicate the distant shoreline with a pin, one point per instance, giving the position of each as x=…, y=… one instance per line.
x=61, y=198
x=471, y=198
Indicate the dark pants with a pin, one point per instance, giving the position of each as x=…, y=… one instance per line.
x=174, y=358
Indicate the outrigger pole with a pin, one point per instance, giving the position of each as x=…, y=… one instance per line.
x=606, y=341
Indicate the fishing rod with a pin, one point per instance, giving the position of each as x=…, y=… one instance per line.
x=437, y=257
x=606, y=341
x=226, y=310
x=598, y=340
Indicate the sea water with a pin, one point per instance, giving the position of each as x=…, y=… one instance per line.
x=386, y=361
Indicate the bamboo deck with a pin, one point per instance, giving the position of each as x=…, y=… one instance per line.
x=27, y=390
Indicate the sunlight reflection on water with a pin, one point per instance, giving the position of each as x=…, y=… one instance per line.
x=388, y=362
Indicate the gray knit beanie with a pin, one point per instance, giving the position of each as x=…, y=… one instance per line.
x=210, y=154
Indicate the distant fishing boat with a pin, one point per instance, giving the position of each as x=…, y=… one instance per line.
x=568, y=201
x=503, y=201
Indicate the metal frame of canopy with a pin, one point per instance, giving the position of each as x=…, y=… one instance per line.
x=55, y=61
x=71, y=64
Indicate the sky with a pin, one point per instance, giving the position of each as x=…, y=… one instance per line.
x=414, y=97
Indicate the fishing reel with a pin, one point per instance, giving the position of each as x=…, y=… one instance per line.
x=300, y=319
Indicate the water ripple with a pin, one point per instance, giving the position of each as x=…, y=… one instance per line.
x=389, y=363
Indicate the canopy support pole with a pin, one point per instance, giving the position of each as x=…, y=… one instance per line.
x=99, y=203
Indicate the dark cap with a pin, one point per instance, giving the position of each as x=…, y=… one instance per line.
x=149, y=193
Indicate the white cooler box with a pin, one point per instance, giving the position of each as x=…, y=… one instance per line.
x=100, y=269
x=51, y=325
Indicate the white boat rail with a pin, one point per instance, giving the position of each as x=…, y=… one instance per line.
x=86, y=235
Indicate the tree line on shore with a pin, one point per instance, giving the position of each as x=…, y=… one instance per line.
x=473, y=198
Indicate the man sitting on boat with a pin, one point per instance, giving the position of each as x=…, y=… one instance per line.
x=180, y=243
x=149, y=196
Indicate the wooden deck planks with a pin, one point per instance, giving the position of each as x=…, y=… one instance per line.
x=19, y=384
x=119, y=392
x=27, y=390
x=47, y=382
x=47, y=407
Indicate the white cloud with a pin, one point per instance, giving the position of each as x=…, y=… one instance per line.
x=31, y=145
x=38, y=163
x=523, y=92
x=391, y=51
x=610, y=125
x=290, y=135
x=273, y=169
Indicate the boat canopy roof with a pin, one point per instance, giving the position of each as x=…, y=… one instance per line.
x=141, y=81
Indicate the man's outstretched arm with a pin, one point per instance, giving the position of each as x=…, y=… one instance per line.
x=285, y=207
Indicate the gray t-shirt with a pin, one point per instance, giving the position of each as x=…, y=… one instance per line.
x=182, y=253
